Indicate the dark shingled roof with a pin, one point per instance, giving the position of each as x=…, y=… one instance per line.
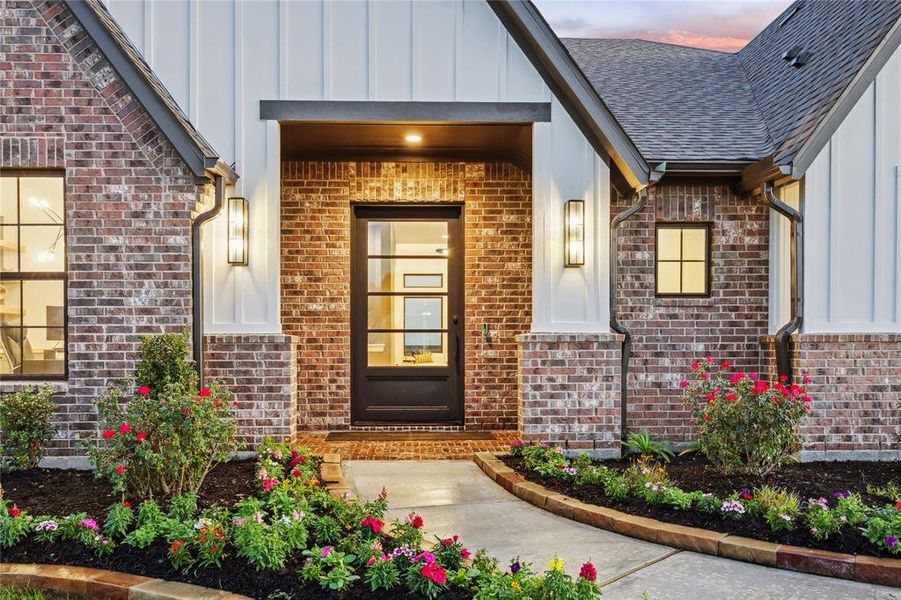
x=687, y=104
x=675, y=102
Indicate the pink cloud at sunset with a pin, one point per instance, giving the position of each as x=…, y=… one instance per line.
x=725, y=25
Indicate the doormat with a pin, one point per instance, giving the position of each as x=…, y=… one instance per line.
x=406, y=436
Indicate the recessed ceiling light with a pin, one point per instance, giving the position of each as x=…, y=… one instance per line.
x=413, y=138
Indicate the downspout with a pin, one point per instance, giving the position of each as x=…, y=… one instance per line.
x=796, y=316
x=615, y=325
x=196, y=274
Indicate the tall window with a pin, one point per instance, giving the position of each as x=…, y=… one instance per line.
x=683, y=259
x=32, y=276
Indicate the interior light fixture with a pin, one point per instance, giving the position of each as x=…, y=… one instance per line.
x=574, y=233
x=413, y=138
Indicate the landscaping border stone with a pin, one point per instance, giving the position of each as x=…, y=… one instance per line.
x=333, y=477
x=868, y=569
x=104, y=585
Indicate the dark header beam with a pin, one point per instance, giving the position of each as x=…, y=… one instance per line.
x=421, y=112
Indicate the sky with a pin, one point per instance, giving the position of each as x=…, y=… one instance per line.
x=724, y=25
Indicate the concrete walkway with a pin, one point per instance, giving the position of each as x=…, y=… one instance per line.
x=456, y=497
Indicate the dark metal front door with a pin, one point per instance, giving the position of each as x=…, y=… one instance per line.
x=406, y=314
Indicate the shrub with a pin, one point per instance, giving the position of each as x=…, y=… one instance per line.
x=779, y=507
x=744, y=424
x=25, y=426
x=163, y=441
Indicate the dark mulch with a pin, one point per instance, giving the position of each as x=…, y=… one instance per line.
x=60, y=492
x=808, y=480
x=234, y=576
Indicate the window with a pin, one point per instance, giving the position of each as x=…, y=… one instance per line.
x=683, y=259
x=32, y=276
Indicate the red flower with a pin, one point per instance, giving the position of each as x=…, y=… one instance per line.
x=124, y=428
x=187, y=411
x=683, y=384
x=141, y=436
x=588, y=572
x=707, y=417
x=235, y=403
x=144, y=390
x=898, y=504
x=205, y=392
x=268, y=484
x=464, y=554
x=14, y=511
x=374, y=524
x=695, y=365
x=415, y=521
x=126, y=504
x=109, y=434
x=783, y=378
x=120, y=469
x=434, y=573
x=730, y=397
x=176, y=545
x=725, y=364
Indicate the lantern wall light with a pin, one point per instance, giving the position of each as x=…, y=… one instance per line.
x=574, y=233
x=238, y=231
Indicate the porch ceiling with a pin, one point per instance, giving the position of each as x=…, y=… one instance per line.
x=386, y=141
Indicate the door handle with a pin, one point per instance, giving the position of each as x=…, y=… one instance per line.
x=456, y=321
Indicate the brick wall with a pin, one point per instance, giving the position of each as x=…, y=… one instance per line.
x=856, y=390
x=315, y=280
x=669, y=333
x=569, y=388
x=128, y=199
x=262, y=371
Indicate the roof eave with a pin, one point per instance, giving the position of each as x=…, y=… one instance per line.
x=798, y=164
x=194, y=157
x=548, y=55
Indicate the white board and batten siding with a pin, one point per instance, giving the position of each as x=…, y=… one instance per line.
x=852, y=214
x=220, y=58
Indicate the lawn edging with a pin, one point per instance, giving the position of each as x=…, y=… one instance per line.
x=884, y=571
x=332, y=476
x=103, y=585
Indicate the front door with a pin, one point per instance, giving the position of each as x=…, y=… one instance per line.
x=406, y=314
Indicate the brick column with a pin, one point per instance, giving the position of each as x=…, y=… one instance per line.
x=262, y=371
x=569, y=390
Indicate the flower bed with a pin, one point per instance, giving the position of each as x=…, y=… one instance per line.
x=290, y=537
x=851, y=507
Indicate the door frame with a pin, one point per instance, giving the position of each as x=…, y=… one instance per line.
x=454, y=211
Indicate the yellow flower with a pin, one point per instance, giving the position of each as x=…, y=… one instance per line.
x=515, y=585
x=556, y=564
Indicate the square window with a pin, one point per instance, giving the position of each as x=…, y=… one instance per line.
x=683, y=259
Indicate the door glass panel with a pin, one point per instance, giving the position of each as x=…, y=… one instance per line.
x=407, y=349
x=407, y=238
x=399, y=274
x=407, y=312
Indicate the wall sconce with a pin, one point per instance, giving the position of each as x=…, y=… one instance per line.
x=574, y=233
x=238, y=231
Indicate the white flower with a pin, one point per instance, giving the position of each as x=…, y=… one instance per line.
x=786, y=518
x=202, y=522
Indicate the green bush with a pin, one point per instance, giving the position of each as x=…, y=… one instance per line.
x=161, y=438
x=25, y=427
x=744, y=424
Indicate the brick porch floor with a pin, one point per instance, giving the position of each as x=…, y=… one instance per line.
x=453, y=448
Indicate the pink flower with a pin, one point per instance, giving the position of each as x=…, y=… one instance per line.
x=705, y=376
x=731, y=397
x=683, y=384
x=588, y=572
x=434, y=573
x=205, y=392
x=371, y=561
x=144, y=390
x=464, y=554
x=695, y=365
x=736, y=377
x=268, y=484
x=141, y=436
x=124, y=428
x=709, y=359
x=325, y=551
x=109, y=434
x=120, y=469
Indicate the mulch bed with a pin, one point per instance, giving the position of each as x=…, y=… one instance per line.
x=808, y=480
x=60, y=492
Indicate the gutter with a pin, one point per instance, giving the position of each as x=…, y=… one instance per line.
x=796, y=315
x=615, y=325
x=197, y=273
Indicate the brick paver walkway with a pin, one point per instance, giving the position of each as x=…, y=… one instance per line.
x=452, y=448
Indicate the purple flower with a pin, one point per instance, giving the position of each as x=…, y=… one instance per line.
x=891, y=541
x=426, y=557
x=515, y=567
x=89, y=524
x=745, y=494
x=841, y=494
